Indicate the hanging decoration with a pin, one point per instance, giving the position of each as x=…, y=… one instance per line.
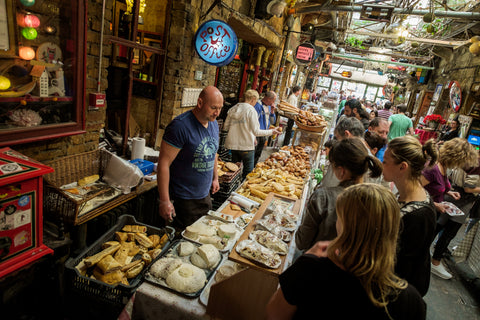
x=28, y=20
x=27, y=3
x=29, y=33
x=216, y=43
x=26, y=53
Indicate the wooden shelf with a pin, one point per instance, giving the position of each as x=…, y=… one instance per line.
x=234, y=256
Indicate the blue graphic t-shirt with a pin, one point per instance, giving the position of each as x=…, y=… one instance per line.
x=191, y=172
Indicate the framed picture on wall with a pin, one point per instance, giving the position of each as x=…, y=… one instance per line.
x=7, y=29
x=438, y=91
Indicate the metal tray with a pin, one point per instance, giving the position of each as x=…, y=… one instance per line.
x=231, y=242
x=172, y=251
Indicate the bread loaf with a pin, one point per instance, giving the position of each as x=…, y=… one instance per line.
x=227, y=231
x=185, y=249
x=164, y=266
x=199, y=229
x=135, y=270
x=87, y=180
x=187, y=278
x=90, y=261
x=198, y=261
x=109, y=278
x=209, y=254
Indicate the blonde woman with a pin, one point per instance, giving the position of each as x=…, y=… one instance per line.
x=403, y=163
x=243, y=126
x=455, y=153
x=353, y=275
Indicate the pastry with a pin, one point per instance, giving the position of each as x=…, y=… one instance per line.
x=90, y=261
x=235, y=207
x=108, y=264
x=135, y=270
x=186, y=278
x=109, y=278
x=270, y=241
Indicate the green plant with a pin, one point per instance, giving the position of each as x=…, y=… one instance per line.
x=354, y=42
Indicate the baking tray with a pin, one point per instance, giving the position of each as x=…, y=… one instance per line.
x=172, y=252
x=231, y=242
x=206, y=290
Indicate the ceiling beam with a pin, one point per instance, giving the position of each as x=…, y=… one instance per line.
x=345, y=56
x=410, y=11
x=445, y=43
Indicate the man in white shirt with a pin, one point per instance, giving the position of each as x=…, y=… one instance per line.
x=293, y=100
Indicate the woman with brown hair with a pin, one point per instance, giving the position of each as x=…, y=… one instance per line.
x=349, y=160
x=403, y=163
x=455, y=153
x=353, y=275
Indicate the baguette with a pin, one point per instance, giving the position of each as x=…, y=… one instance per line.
x=92, y=260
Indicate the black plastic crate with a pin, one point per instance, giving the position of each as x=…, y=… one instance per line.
x=98, y=290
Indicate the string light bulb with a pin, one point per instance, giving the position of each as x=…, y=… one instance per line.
x=29, y=33
x=26, y=53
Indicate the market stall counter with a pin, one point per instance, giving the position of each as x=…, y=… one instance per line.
x=426, y=134
x=242, y=295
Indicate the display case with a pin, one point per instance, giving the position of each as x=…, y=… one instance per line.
x=42, y=69
x=21, y=217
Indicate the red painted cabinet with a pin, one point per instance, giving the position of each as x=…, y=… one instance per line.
x=21, y=218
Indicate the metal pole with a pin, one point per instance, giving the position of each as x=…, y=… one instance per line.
x=345, y=56
x=409, y=11
x=101, y=48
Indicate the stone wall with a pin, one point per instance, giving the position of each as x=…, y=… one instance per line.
x=47, y=150
x=451, y=65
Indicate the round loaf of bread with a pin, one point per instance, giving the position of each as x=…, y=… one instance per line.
x=185, y=249
x=163, y=267
x=227, y=231
x=187, y=278
x=199, y=229
x=198, y=261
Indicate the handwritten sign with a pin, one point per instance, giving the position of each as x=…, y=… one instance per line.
x=216, y=43
x=304, y=53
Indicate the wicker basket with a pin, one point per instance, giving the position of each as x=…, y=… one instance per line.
x=57, y=203
x=310, y=128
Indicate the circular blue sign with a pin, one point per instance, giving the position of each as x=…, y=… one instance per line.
x=216, y=43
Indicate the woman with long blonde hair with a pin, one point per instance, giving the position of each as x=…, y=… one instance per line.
x=403, y=163
x=353, y=274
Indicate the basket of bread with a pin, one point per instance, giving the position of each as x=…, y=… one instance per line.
x=228, y=170
x=185, y=267
x=112, y=268
x=287, y=108
x=283, y=172
x=308, y=121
